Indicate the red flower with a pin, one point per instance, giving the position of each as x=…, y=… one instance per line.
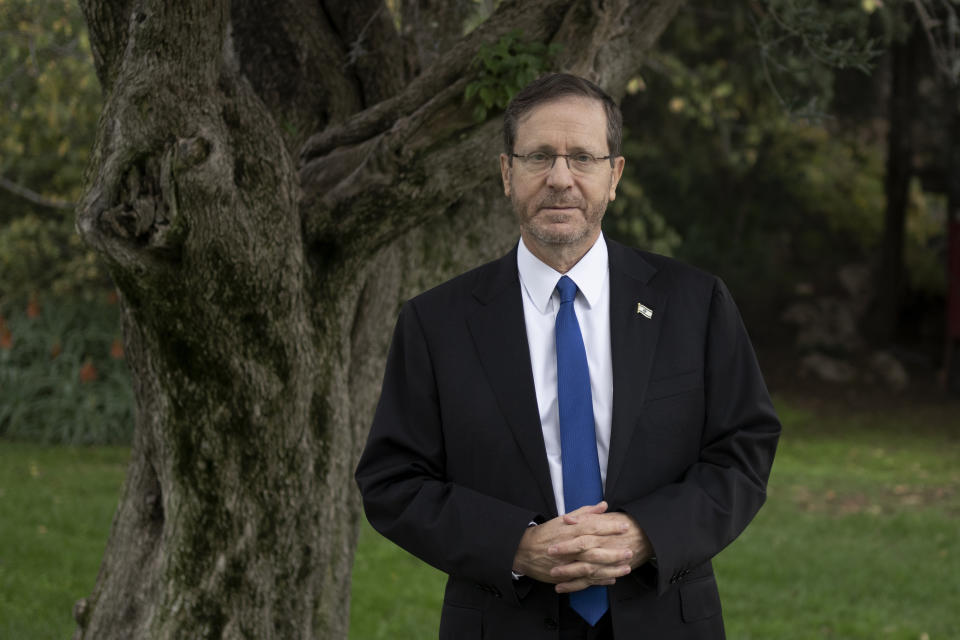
x=88, y=372
x=116, y=349
x=33, y=307
x=6, y=338
x=55, y=350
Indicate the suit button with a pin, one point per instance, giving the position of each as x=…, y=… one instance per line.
x=550, y=624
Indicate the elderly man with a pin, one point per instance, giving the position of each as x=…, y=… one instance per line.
x=573, y=431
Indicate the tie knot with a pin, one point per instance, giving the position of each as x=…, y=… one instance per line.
x=567, y=289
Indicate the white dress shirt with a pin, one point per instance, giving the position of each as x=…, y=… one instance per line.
x=541, y=302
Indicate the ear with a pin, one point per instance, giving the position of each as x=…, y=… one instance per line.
x=615, y=177
x=505, y=169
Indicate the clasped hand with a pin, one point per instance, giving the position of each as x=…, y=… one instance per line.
x=582, y=548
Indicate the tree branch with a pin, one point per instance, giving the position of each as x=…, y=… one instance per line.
x=108, y=23
x=33, y=196
x=396, y=164
x=537, y=19
x=945, y=47
x=373, y=48
x=431, y=27
x=631, y=37
x=296, y=61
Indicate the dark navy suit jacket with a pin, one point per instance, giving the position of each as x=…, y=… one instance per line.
x=455, y=467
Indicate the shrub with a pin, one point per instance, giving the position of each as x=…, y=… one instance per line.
x=63, y=378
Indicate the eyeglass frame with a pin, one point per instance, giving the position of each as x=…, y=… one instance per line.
x=565, y=156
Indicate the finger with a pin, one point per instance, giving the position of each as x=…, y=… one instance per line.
x=574, y=516
x=606, y=556
x=588, y=571
x=598, y=524
x=580, y=585
x=607, y=547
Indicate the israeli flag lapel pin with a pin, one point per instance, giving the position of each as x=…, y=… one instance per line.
x=644, y=310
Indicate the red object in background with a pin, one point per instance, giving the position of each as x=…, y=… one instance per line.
x=33, y=307
x=116, y=349
x=953, y=278
x=88, y=373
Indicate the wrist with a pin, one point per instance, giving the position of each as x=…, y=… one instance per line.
x=518, y=570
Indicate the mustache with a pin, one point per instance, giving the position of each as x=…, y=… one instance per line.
x=559, y=200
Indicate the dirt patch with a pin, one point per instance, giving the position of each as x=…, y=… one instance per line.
x=886, y=500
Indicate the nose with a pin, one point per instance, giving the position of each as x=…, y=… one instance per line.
x=559, y=176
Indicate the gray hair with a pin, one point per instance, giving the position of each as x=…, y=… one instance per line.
x=558, y=85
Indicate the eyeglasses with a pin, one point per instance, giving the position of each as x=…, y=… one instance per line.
x=580, y=164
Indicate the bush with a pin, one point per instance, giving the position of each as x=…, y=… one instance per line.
x=62, y=373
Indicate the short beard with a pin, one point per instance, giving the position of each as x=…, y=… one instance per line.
x=557, y=238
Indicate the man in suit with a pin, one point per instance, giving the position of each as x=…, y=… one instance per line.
x=573, y=431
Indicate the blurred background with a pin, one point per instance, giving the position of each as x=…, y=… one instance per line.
x=808, y=153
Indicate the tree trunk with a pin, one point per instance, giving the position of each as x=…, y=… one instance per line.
x=267, y=185
x=882, y=319
x=949, y=373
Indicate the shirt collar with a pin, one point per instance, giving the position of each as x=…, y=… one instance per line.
x=539, y=280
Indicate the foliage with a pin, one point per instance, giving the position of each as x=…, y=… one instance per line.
x=846, y=489
x=632, y=218
x=764, y=198
x=926, y=241
x=801, y=42
x=58, y=380
x=503, y=68
x=50, y=98
x=62, y=374
x=45, y=256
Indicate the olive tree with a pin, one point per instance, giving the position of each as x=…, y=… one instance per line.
x=268, y=182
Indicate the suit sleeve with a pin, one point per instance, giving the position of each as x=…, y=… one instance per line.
x=691, y=520
x=402, y=477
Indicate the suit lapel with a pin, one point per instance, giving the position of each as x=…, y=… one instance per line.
x=633, y=338
x=500, y=336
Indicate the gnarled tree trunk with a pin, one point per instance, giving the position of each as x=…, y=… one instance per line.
x=269, y=182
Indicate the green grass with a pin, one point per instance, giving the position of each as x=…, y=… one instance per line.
x=395, y=595
x=860, y=537
x=56, y=505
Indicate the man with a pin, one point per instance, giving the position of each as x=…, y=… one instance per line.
x=573, y=431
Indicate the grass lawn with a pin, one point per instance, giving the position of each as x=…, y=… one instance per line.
x=56, y=505
x=860, y=537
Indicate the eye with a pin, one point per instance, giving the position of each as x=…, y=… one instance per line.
x=583, y=158
x=538, y=157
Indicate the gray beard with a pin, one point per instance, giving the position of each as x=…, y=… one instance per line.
x=554, y=238
x=552, y=200
x=557, y=238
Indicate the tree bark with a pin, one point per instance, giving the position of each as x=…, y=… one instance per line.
x=882, y=319
x=267, y=185
x=948, y=374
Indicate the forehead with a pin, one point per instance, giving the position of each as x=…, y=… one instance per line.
x=564, y=123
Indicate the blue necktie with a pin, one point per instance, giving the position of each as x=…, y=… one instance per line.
x=578, y=440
